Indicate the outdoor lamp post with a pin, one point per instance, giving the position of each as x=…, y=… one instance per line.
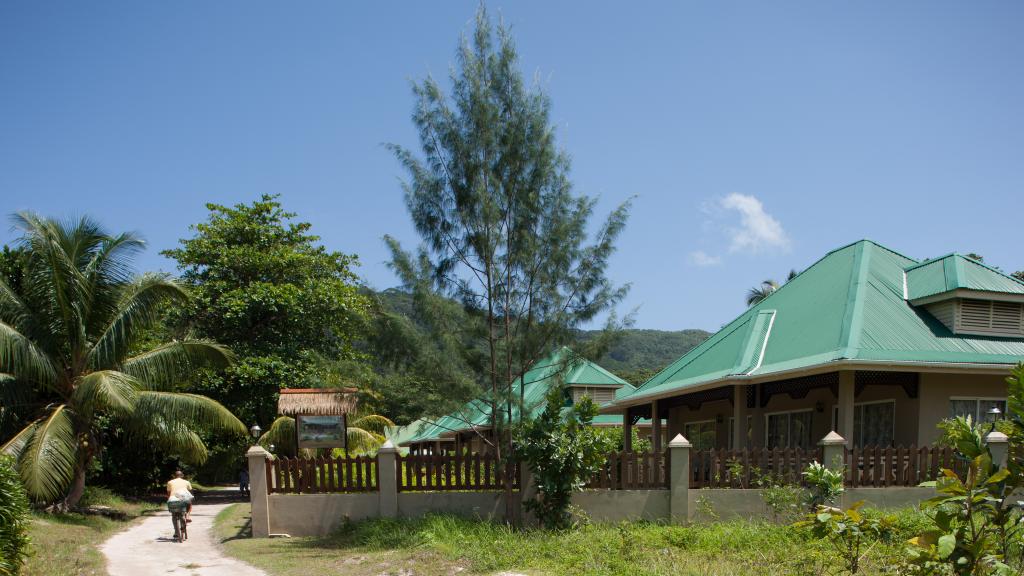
x=993, y=415
x=255, y=431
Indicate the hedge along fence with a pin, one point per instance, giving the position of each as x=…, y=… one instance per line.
x=899, y=466
x=453, y=472
x=722, y=468
x=632, y=471
x=322, y=475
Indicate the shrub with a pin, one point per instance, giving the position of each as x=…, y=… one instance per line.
x=563, y=452
x=848, y=531
x=14, y=519
x=826, y=485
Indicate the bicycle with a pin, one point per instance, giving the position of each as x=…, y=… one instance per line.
x=178, y=511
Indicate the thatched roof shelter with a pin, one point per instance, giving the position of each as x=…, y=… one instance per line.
x=317, y=401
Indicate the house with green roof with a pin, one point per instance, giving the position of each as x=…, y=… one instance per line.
x=465, y=427
x=868, y=342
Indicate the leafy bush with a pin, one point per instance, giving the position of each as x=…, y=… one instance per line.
x=14, y=519
x=563, y=452
x=826, y=485
x=848, y=531
x=976, y=523
x=614, y=435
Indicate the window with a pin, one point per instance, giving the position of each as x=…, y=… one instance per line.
x=976, y=408
x=702, y=435
x=873, y=423
x=788, y=429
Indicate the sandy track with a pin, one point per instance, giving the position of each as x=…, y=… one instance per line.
x=148, y=549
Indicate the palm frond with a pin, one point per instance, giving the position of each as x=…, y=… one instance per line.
x=53, y=274
x=105, y=389
x=169, y=364
x=360, y=440
x=17, y=443
x=47, y=462
x=21, y=358
x=191, y=410
x=373, y=422
x=138, y=308
x=281, y=434
x=158, y=434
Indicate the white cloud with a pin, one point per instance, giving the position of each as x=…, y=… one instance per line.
x=758, y=230
x=702, y=258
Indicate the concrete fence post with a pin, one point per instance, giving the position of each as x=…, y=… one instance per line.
x=387, y=479
x=679, y=479
x=833, y=451
x=259, y=492
x=998, y=445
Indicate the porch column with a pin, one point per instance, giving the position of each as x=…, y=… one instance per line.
x=739, y=417
x=757, y=420
x=844, y=424
x=655, y=428
x=627, y=432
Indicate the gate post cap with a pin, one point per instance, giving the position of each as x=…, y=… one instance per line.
x=387, y=448
x=996, y=437
x=832, y=439
x=257, y=452
x=679, y=442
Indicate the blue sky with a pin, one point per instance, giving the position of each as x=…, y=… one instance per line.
x=755, y=136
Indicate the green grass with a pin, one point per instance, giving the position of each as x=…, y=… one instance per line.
x=445, y=544
x=66, y=544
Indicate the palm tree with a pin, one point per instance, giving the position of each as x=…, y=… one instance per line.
x=77, y=348
x=758, y=293
x=364, y=433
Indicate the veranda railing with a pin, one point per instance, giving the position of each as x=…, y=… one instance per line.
x=632, y=471
x=751, y=468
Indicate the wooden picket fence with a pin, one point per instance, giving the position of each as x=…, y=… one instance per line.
x=322, y=475
x=899, y=466
x=453, y=472
x=632, y=471
x=722, y=468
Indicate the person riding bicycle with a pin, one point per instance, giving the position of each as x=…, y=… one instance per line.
x=178, y=490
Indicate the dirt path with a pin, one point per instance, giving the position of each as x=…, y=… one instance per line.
x=148, y=549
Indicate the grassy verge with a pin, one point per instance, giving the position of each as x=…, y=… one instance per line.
x=67, y=544
x=445, y=545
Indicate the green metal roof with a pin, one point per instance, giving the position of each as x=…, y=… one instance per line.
x=957, y=272
x=847, y=306
x=535, y=384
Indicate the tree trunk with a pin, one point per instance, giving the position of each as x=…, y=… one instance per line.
x=76, y=491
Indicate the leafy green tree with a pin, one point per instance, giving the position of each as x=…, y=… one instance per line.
x=563, y=451
x=71, y=334
x=264, y=286
x=503, y=233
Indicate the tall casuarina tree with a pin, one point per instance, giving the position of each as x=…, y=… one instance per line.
x=502, y=230
x=73, y=354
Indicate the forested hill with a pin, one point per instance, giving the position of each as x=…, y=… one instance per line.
x=636, y=355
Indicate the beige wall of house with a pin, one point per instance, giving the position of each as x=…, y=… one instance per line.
x=937, y=390
x=914, y=423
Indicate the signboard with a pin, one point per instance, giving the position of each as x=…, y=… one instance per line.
x=320, y=431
